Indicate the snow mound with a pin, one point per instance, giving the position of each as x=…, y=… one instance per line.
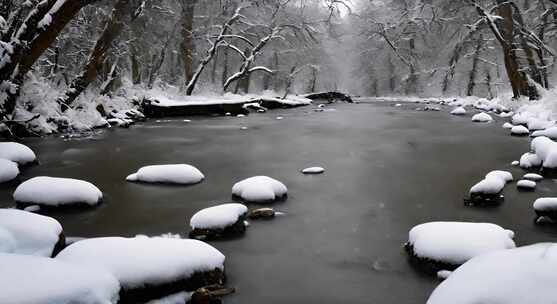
x=526, y=184
x=546, y=150
x=493, y=183
x=516, y=276
x=28, y=233
x=458, y=111
x=456, y=242
x=259, y=189
x=532, y=176
x=172, y=174
x=313, y=170
x=17, y=152
x=218, y=217
x=507, y=125
x=546, y=204
x=39, y=280
x=515, y=163
x=529, y=160
x=141, y=260
x=8, y=170
x=482, y=117
x=55, y=191
x=520, y=130
x=549, y=132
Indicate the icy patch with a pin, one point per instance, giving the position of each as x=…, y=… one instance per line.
x=313, y=170
x=28, y=233
x=520, y=130
x=516, y=276
x=8, y=170
x=526, y=184
x=458, y=111
x=55, y=191
x=173, y=174
x=532, y=176
x=17, y=152
x=40, y=280
x=456, y=242
x=546, y=204
x=218, y=217
x=493, y=183
x=141, y=261
x=482, y=117
x=259, y=189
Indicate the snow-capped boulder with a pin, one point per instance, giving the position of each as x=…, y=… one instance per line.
x=520, y=131
x=446, y=245
x=546, y=206
x=482, y=117
x=17, y=152
x=8, y=170
x=516, y=276
x=532, y=177
x=458, y=111
x=521, y=118
x=313, y=170
x=535, y=124
x=57, y=192
x=28, y=233
x=262, y=213
x=549, y=132
x=507, y=125
x=546, y=150
x=150, y=268
x=259, y=189
x=168, y=174
x=219, y=221
x=38, y=280
x=529, y=160
x=526, y=185
x=487, y=191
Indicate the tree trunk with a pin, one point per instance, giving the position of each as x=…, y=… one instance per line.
x=187, y=46
x=98, y=55
x=225, y=66
x=473, y=72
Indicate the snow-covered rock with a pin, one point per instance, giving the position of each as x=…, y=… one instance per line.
x=487, y=190
x=28, y=233
x=549, y=132
x=532, y=177
x=525, y=184
x=171, y=174
x=515, y=163
x=458, y=111
x=453, y=243
x=516, y=276
x=219, y=221
x=546, y=151
x=17, y=152
x=143, y=262
x=520, y=131
x=482, y=117
x=313, y=170
x=8, y=170
x=56, y=191
x=546, y=207
x=259, y=189
x=39, y=280
x=507, y=125
x=529, y=160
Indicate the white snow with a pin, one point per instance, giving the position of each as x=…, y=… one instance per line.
x=177, y=298
x=526, y=184
x=56, y=191
x=546, y=204
x=516, y=276
x=515, y=163
x=532, y=176
x=143, y=260
x=508, y=125
x=458, y=111
x=549, y=132
x=28, y=233
x=39, y=280
x=313, y=170
x=443, y=274
x=520, y=130
x=482, y=117
x=220, y=216
x=493, y=183
x=546, y=151
x=8, y=170
x=259, y=189
x=17, y=152
x=529, y=160
x=175, y=174
x=457, y=242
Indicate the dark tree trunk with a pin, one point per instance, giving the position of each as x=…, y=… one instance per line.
x=187, y=45
x=472, y=77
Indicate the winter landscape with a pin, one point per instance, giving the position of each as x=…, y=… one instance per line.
x=278, y=151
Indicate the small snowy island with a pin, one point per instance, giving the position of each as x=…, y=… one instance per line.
x=488, y=190
x=259, y=189
x=219, y=221
x=167, y=174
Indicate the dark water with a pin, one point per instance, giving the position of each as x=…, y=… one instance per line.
x=340, y=241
